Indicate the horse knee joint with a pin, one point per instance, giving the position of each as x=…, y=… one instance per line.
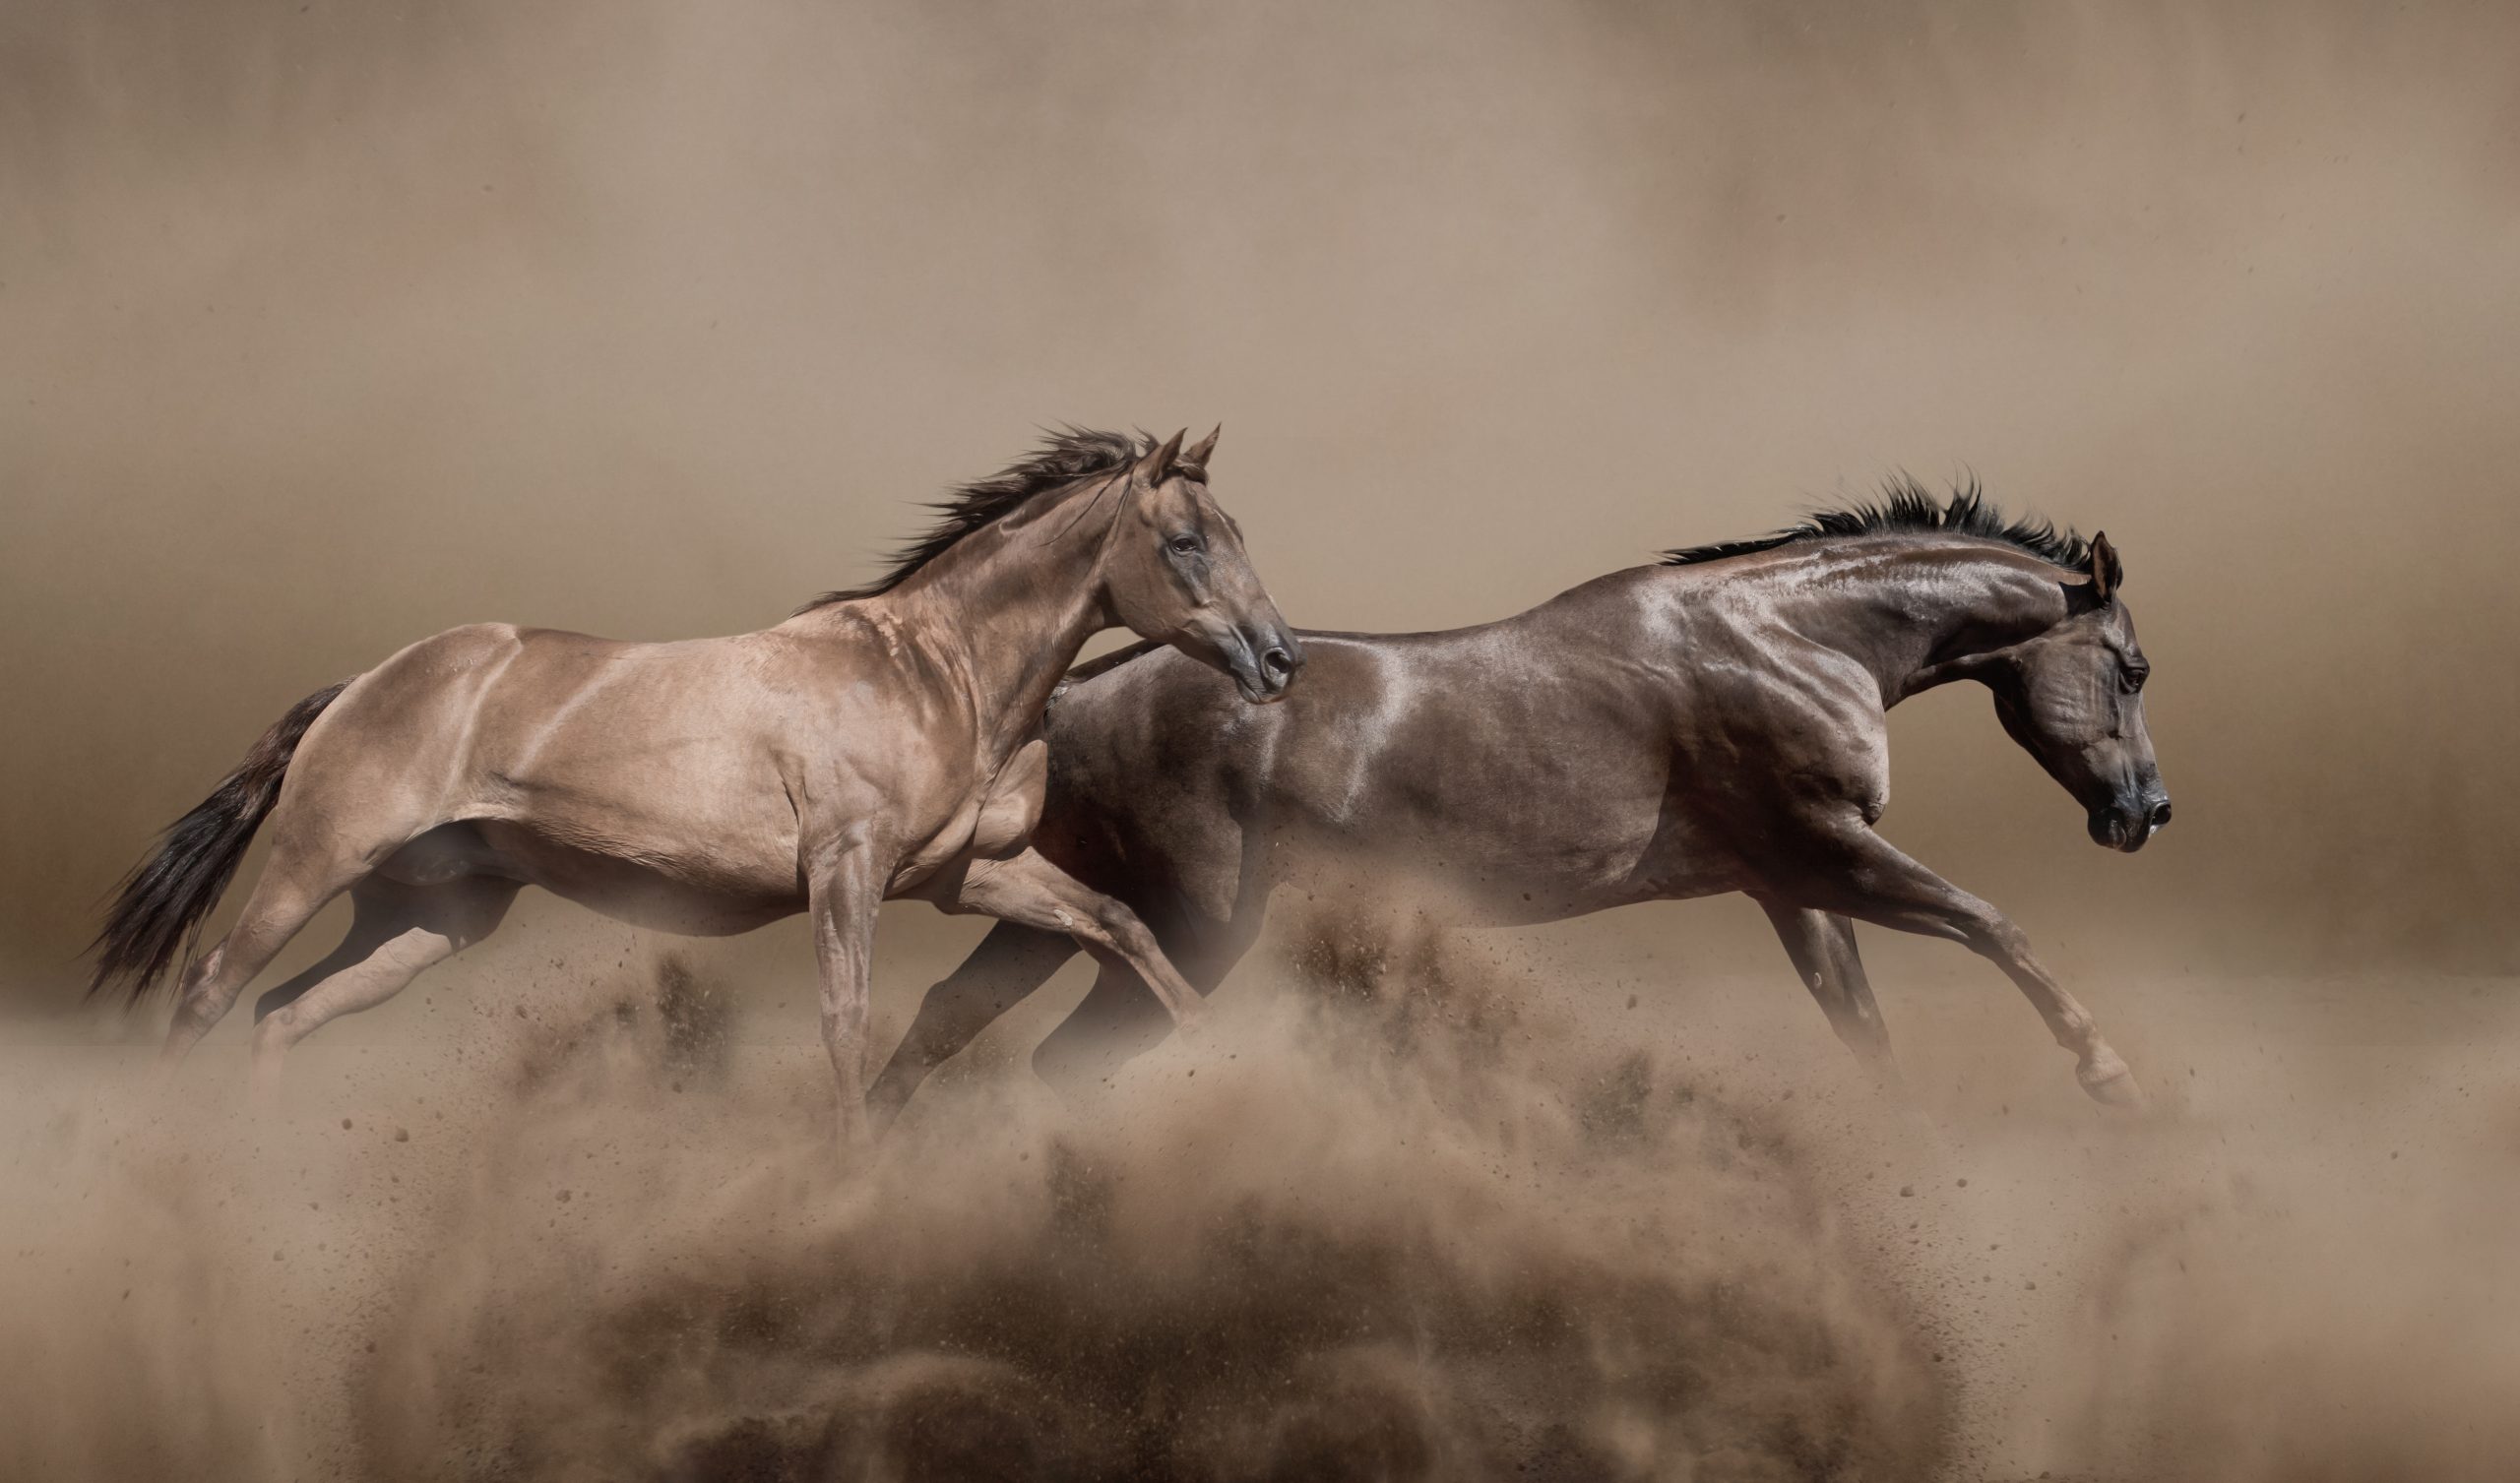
x=1999, y=939
x=194, y=987
x=288, y=1021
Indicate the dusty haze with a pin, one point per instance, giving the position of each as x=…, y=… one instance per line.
x=323, y=328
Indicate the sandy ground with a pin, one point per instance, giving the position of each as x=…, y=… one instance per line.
x=1499, y=1217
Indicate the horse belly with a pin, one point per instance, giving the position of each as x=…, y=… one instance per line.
x=691, y=889
x=1516, y=860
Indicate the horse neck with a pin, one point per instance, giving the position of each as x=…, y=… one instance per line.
x=1010, y=604
x=1906, y=610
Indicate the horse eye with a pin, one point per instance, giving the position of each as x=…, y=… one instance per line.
x=2135, y=678
x=1185, y=545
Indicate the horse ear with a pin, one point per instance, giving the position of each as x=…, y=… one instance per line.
x=1151, y=470
x=1196, y=456
x=2108, y=573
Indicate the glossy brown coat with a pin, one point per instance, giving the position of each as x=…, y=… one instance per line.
x=1664, y=732
x=879, y=744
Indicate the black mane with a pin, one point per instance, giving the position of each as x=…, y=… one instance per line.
x=1065, y=456
x=1906, y=507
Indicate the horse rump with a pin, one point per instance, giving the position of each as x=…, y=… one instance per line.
x=158, y=910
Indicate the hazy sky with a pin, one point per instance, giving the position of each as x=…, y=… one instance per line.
x=326, y=327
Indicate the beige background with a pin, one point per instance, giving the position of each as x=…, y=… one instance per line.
x=323, y=328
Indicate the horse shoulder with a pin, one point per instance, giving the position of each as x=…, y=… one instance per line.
x=1804, y=713
x=1319, y=754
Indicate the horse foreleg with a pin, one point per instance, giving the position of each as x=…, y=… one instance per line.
x=1028, y=890
x=1118, y=1019
x=1822, y=947
x=843, y=895
x=1859, y=874
x=1009, y=964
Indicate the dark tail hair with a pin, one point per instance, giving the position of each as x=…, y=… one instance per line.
x=158, y=910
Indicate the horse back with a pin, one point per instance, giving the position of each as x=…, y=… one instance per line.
x=1470, y=760
x=619, y=746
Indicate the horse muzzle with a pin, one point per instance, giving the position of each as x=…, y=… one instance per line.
x=1264, y=664
x=2127, y=828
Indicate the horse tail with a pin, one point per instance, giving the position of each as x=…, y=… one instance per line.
x=158, y=910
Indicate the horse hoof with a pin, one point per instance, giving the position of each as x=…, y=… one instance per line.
x=2110, y=1083
x=853, y=1146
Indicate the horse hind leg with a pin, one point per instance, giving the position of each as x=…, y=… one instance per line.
x=1117, y=1021
x=297, y=882
x=286, y=897
x=399, y=932
x=1120, y=1018
x=378, y=915
x=1822, y=947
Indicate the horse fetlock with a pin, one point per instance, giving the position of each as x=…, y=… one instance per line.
x=856, y=1130
x=1189, y=1016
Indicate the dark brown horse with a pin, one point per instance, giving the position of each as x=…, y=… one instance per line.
x=883, y=742
x=1715, y=723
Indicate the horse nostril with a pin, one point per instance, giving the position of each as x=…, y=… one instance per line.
x=2161, y=813
x=1278, y=664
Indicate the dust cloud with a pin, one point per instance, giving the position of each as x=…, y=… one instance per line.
x=325, y=327
x=1446, y=1212
x=1336, y=1244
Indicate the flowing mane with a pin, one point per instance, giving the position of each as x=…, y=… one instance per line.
x=1907, y=507
x=1065, y=456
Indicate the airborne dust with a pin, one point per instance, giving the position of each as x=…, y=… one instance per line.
x=325, y=327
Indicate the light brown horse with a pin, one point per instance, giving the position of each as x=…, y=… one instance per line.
x=883, y=742
x=1713, y=724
